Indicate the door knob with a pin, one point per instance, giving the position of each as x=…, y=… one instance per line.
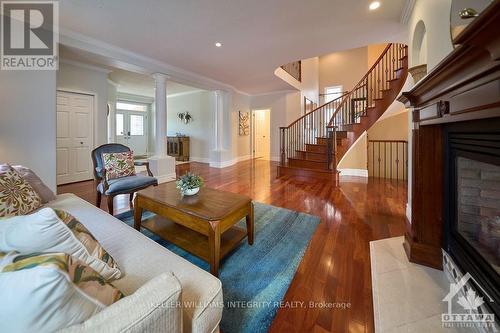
x=81, y=142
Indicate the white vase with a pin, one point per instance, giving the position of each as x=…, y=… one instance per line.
x=192, y=191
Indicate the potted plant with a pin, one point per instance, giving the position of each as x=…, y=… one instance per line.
x=189, y=184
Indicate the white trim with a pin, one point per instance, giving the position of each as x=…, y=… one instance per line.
x=408, y=212
x=166, y=178
x=225, y=164
x=407, y=11
x=113, y=83
x=185, y=93
x=199, y=159
x=121, y=96
x=286, y=91
x=134, y=62
x=354, y=172
x=86, y=66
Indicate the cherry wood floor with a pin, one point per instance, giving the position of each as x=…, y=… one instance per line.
x=336, y=265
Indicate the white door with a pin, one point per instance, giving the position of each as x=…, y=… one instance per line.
x=131, y=131
x=132, y=126
x=75, y=113
x=261, y=133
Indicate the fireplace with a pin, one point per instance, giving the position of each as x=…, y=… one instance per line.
x=472, y=203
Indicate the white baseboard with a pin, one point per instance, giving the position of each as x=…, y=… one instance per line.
x=199, y=159
x=408, y=212
x=354, y=172
x=225, y=164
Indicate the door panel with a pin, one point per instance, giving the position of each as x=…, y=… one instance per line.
x=74, y=137
x=137, y=139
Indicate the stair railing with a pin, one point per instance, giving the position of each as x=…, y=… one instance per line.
x=370, y=88
x=306, y=129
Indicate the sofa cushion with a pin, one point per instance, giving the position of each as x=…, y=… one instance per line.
x=128, y=184
x=17, y=197
x=154, y=307
x=50, y=231
x=118, y=165
x=44, y=293
x=27, y=174
x=141, y=259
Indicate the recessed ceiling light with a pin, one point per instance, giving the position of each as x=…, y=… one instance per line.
x=218, y=44
x=374, y=5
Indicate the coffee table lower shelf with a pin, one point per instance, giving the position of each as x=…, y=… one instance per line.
x=192, y=241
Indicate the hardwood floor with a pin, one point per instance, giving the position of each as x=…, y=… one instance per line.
x=336, y=265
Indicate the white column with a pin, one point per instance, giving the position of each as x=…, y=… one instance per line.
x=160, y=113
x=162, y=166
x=220, y=156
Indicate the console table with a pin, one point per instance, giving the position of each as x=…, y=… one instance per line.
x=178, y=147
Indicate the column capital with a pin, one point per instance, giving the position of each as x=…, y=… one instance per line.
x=160, y=77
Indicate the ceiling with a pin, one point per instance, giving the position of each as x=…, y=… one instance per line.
x=143, y=85
x=257, y=36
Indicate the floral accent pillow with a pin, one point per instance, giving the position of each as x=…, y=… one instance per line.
x=118, y=165
x=17, y=197
x=83, y=277
x=95, y=250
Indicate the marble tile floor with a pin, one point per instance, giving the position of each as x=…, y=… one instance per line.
x=407, y=298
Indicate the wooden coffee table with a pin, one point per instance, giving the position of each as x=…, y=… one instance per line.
x=203, y=224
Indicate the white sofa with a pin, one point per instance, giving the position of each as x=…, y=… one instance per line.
x=141, y=260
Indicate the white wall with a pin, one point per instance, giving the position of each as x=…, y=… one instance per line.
x=241, y=144
x=200, y=129
x=284, y=108
x=309, y=84
x=435, y=16
x=88, y=80
x=28, y=121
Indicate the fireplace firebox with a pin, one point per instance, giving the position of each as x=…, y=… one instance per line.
x=472, y=202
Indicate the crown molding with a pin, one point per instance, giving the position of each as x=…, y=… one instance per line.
x=85, y=66
x=407, y=11
x=134, y=62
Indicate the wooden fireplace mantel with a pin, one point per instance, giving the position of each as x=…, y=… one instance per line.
x=464, y=86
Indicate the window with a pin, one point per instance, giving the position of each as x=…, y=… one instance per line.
x=332, y=93
x=127, y=106
x=136, y=125
x=119, y=124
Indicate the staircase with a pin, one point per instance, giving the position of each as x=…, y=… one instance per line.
x=312, y=145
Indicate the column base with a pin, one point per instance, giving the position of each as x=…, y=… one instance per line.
x=163, y=168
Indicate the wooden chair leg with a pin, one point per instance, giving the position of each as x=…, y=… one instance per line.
x=110, y=204
x=98, y=200
x=131, y=197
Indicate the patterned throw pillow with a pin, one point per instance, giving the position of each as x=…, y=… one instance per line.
x=118, y=165
x=17, y=197
x=91, y=244
x=49, y=292
x=84, y=277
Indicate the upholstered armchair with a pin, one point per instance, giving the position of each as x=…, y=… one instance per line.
x=124, y=185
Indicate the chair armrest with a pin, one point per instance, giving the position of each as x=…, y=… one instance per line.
x=104, y=181
x=146, y=164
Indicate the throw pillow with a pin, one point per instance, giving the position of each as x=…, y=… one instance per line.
x=45, y=293
x=17, y=197
x=118, y=165
x=43, y=191
x=56, y=231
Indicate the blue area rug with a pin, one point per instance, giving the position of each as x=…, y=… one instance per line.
x=255, y=278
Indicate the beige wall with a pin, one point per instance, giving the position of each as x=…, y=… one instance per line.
x=344, y=68
x=374, y=52
x=390, y=128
